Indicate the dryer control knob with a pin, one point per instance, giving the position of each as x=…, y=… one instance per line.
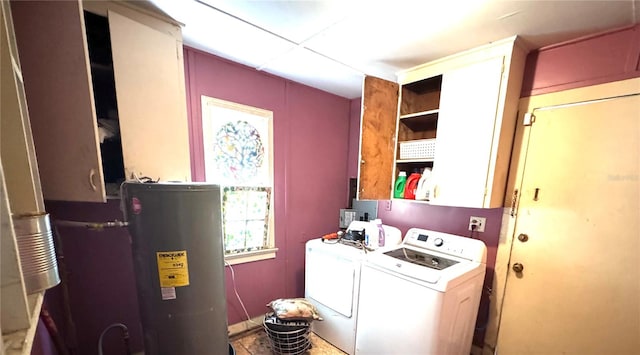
x=438, y=242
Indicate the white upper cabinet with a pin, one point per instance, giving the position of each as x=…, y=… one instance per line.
x=455, y=117
x=150, y=91
x=55, y=68
x=106, y=96
x=468, y=109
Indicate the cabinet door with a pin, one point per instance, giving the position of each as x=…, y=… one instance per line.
x=55, y=67
x=148, y=70
x=18, y=153
x=468, y=108
x=377, y=138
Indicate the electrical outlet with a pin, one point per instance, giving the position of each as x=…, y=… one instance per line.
x=477, y=223
x=387, y=205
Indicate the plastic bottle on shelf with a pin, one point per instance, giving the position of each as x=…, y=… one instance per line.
x=398, y=191
x=423, y=189
x=381, y=236
x=410, y=187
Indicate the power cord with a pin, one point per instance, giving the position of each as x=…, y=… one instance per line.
x=235, y=290
x=473, y=229
x=342, y=237
x=125, y=337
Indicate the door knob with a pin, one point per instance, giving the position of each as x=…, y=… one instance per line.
x=517, y=267
x=523, y=237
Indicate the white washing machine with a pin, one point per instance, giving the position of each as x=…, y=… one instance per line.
x=421, y=297
x=332, y=283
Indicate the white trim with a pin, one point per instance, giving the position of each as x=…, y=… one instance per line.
x=253, y=323
x=248, y=257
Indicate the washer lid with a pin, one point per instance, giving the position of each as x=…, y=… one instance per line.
x=430, y=266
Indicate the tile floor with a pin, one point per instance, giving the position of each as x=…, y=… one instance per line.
x=256, y=342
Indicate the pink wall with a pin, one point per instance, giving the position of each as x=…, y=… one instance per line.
x=99, y=278
x=591, y=60
x=311, y=137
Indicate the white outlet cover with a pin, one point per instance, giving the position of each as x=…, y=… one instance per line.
x=479, y=222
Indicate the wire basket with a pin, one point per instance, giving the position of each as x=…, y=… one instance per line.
x=287, y=337
x=418, y=149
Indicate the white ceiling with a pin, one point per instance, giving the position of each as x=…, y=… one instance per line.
x=331, y=44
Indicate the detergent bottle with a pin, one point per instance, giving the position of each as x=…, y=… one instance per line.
x=423, y=190
x=398, y=191
x=410, y=187
x=381, y=236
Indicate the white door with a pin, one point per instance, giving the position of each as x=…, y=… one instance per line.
x=468, y=106
x=579, y=288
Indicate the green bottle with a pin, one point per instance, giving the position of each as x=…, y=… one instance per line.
x=398, y=192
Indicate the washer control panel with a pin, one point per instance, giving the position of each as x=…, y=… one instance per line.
x=464, y=247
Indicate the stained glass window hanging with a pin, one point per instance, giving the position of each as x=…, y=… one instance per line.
x=238, y=151
x=236, y=144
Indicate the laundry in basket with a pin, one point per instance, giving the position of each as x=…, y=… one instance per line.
x=289, y=325
x=294, y=308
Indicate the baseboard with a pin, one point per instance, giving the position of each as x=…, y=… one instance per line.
x=245, y=326
x=239, y=328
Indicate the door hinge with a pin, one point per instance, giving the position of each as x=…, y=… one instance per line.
x=529, y=118
x=514, y=202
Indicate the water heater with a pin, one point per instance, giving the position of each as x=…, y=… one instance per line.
x=178, y=257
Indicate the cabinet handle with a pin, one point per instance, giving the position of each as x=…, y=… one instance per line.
x=92, y=174
x=362, y=161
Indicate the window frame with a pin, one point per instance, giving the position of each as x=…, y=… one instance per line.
x=209, y=107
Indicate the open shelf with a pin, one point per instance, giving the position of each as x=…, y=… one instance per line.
x=421, y=121
x=425, y=85
x=20, y=342
x=417, y=126
x=421, y=96
x=429, y=114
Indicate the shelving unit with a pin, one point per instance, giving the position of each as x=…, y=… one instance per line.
x=20, y=193
x=417, y=123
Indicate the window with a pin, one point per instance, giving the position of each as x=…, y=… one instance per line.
x=238, y=154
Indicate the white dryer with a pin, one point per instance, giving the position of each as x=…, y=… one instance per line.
x=332, y=283
x=421, y=297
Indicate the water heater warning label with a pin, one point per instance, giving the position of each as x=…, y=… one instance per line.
x=172, y=268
